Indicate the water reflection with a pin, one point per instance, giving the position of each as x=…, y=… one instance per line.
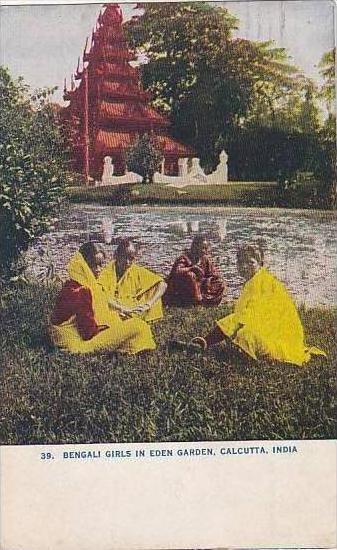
x=300, y=246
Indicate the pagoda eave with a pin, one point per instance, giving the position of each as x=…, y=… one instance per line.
x=114, y=96
x=108, y=54
x=132, y=125
x=120, y=91
x=114, y=142
x=114, y=75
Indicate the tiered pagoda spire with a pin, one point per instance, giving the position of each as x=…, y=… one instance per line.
x=108, y=108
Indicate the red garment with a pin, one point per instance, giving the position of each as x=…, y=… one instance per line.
x=194, y=284
x=75, y=299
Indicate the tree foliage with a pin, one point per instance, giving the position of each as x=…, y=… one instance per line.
x=225, y=92
x=328, y=69
x=328, y=131
x=207, y=81
x=144, y=158
x=32, y=167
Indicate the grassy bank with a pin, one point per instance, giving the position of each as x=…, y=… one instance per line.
x=49, y=396
x=260, y=194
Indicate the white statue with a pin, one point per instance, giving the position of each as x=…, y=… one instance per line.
x=223, y=165
x=183, y=167
x=196, y=172
x=108, y=177
x=220, y=174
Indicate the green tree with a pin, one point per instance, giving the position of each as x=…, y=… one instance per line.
x=225, y=92
x=144, y=158
x=187, y=47
x=207, y=81
x=295, y=109
x=32, y=168
x=328, y=132
x=327, y=69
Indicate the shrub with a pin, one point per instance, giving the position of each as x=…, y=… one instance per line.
x=32, y=168
x=144, y=158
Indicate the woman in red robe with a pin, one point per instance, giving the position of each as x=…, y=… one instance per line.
x=194, y=279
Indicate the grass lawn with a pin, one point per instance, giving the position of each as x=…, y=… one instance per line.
x=53, y=397
x=240, y=193
x=253, y=194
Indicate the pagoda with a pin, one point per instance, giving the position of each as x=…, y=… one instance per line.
x=108, y=109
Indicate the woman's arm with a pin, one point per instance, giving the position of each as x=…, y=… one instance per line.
x=123, y=311
x=85, y=318
x=182, y=265
x=158, y=291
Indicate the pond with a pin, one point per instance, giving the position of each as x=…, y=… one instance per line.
x=300, y=245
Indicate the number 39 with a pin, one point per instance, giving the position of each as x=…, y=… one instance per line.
x=46, y=456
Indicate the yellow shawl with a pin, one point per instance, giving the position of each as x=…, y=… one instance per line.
x=130, y=336
x=133, y=288
x=80, y=272
x=265, y=322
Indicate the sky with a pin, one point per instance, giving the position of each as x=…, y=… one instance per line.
x=42, y=42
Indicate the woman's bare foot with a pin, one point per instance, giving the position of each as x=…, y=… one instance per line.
x=199, y=341
x=193, y=346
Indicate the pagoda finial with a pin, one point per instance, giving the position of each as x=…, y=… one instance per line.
x=86, y=55
x=65, y=86
x=112, y=13
x=78, y=73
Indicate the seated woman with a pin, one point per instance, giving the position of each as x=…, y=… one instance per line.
x=265, y=323
x=194, y=279
x=82, y=321
x=132, y=289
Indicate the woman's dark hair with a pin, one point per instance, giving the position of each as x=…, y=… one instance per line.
x=251, y=251
x=89, y=250
x=123, y=246
x=198, y=240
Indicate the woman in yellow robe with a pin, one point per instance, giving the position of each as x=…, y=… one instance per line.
x=82, y=321
x=132, y=290
x=265, y=323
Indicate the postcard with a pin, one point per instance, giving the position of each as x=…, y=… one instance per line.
x=168, y=275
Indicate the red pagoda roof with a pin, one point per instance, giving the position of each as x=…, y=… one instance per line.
x=110, y=34
x=110, y=104
x=171, y=146
x=108, y=52
x=115, y=142
x=121, y=89
x=138, y=113
x=113, y=69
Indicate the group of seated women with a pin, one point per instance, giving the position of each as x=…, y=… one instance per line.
x=111, y=305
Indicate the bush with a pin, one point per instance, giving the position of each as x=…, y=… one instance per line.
x=32, y=168
x=144, y=158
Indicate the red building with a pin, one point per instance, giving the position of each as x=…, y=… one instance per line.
x=108, y=108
